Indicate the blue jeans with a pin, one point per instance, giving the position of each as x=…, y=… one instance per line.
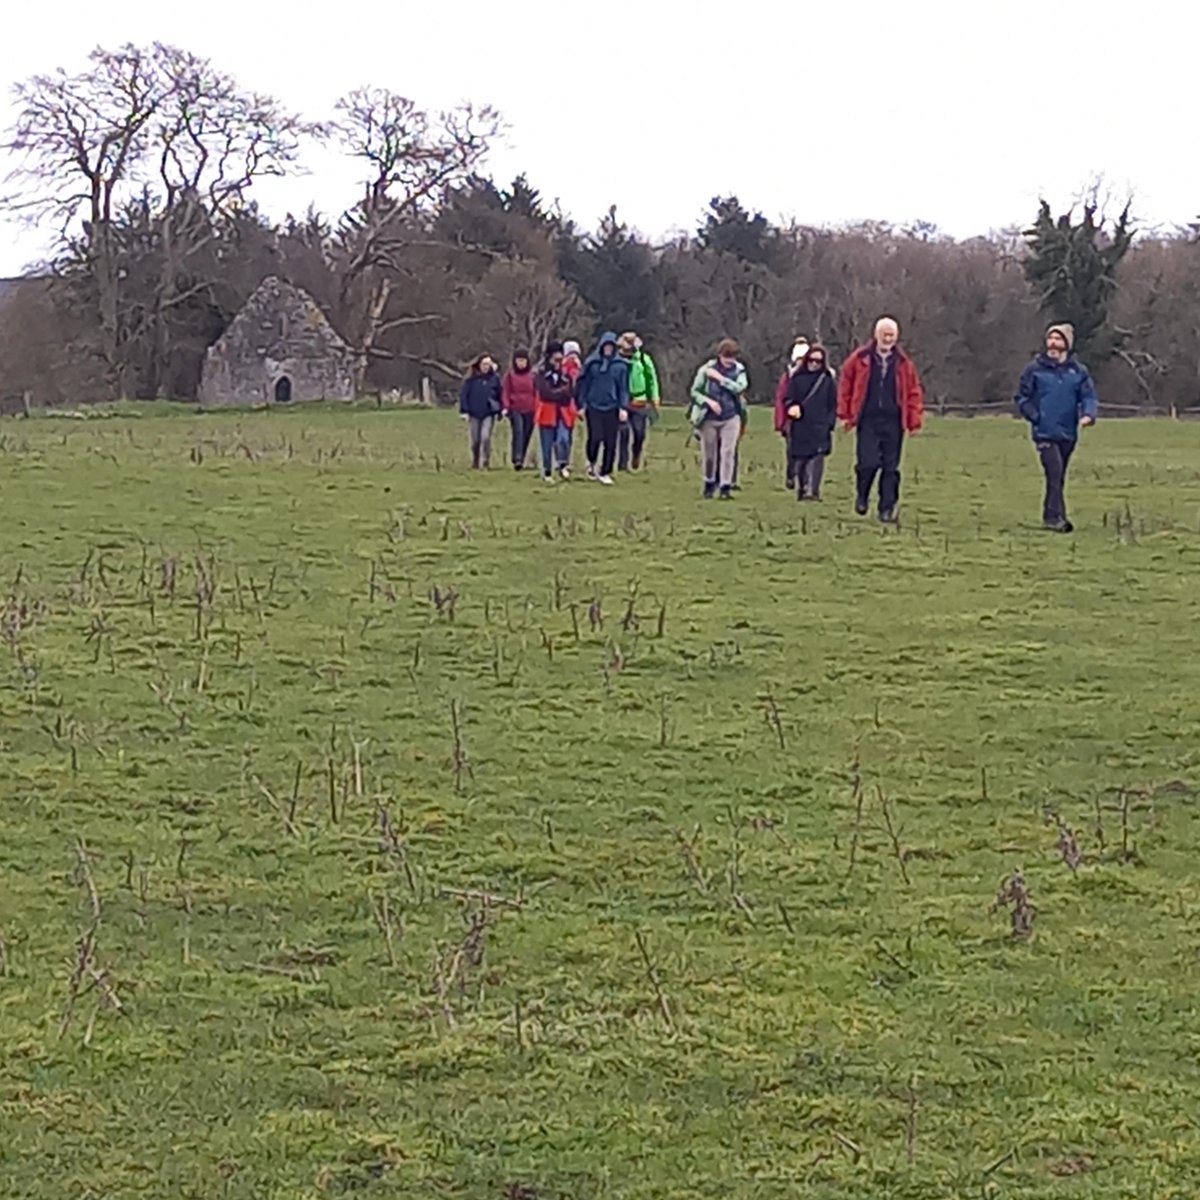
x=556, y=447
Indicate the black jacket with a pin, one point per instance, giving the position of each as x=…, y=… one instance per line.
x=480, y=395
x=816, y=393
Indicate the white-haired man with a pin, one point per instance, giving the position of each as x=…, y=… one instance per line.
x=880, y=396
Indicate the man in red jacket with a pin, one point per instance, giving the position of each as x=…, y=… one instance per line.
x=880, y=395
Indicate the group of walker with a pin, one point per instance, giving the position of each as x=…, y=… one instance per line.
x=877, y=394
x=615, y=389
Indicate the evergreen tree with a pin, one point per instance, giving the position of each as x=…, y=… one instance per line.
x=615, y=272
x=1072, y=267
x=729, y=228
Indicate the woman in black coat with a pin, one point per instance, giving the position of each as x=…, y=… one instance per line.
x=812, y=414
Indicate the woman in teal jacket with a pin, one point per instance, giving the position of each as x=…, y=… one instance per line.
x=718, y=410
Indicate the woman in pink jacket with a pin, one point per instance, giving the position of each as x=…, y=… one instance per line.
x=519, y=398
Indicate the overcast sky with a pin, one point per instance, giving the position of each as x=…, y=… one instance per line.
x=960, y=112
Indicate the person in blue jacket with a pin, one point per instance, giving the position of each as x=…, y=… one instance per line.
x=1056, y=396
x=480, y=403
x=602, y=394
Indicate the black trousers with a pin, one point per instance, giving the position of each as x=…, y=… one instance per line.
x=602, y=427
x=522, y=434
x=880, y=441
x=807, y=474
x=632, y=432
x=1055, y=457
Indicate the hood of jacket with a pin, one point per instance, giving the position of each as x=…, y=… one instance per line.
x=600, y=361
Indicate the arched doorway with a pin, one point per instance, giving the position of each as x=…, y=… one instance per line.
x=283, y=390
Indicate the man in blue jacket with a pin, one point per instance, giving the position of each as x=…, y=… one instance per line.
x=602, y=393
x=1056, y=396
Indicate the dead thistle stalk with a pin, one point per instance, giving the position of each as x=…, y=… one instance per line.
x=860, y=800
x=83, y=877
x=630, y=620
x=655, y=982
x=691, y=860
x=390, y=925
x=452, y=968
x=462, y=764
x=774, y=719
x=894, y=835
x=1014, y=895
x=1067, y=844
x=86, y=967
x=910, y=1121
x=394, y=846
x=359, y=747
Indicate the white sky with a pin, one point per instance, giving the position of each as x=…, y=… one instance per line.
x=959, y=112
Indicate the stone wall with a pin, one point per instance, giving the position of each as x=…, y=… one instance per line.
x=280, y=335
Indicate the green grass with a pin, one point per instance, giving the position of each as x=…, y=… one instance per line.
x=823, y=1031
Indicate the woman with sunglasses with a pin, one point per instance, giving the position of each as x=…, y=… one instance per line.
x=812, y=414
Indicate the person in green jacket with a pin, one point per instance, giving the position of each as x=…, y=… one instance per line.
x=645, y=400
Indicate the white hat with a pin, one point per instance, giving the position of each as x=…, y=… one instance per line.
x=799, y=350
x=571, y=348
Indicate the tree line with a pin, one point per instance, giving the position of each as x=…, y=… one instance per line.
x=145, y=164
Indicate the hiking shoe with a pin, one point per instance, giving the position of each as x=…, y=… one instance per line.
x=861, y=506
x=591, y=472
x=727, y=493
x=1063, y=526
x=887, y=516
x=710, y=490
x=607, y=480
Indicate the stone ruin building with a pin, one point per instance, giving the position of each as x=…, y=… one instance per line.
x=280, y=349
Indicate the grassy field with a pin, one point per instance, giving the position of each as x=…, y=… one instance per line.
x=373, y=828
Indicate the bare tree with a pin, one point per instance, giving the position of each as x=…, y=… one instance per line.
x=410, y=157
x=80, y=140
x=538, y=305
x=149, y=136
x=211, y=142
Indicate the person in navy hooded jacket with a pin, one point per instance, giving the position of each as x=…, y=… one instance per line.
x=1056, y=396
x=602, y=394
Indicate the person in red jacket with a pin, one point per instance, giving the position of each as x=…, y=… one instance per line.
x=556, y=413
x=518, y=396
x=880, y=395
x=572, y=360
